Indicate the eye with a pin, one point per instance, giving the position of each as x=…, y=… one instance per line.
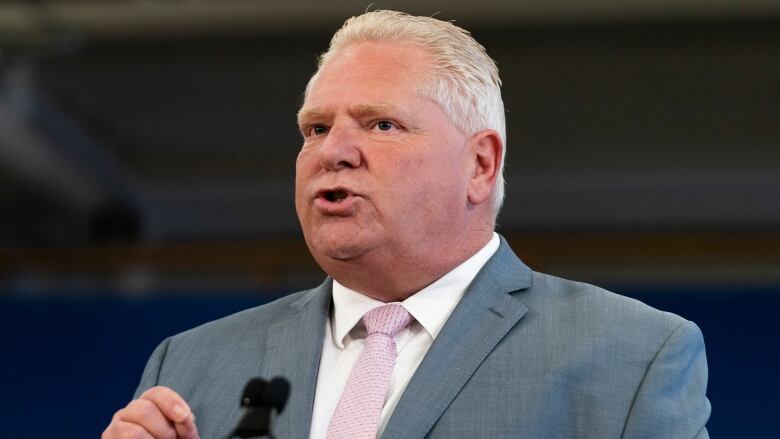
x=384, y=125
x=317, y=130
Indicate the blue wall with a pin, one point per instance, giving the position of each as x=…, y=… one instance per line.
x=69, y=363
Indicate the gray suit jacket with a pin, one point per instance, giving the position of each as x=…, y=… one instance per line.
x=523, y=355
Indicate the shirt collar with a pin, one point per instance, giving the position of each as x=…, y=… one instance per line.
x=430, y=307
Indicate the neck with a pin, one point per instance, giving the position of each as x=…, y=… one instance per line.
x=391, y=277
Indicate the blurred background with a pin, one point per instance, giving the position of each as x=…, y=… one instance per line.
x=147, y=155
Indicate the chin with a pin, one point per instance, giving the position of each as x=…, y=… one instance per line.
x=340, y=240
x=339, y=250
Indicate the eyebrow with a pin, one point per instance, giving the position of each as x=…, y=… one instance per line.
x=310, y=113
x=373, y=109
x=360, y=110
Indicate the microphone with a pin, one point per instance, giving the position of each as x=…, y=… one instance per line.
x=253, y=392
x=276, y=393
x=262, y=402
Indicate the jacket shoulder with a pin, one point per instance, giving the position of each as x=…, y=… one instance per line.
x=599, y=312
x=246, y=322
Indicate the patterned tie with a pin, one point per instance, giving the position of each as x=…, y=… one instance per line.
x=358, y=410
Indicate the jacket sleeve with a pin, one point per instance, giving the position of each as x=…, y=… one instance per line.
x=151, y=373
x=671, y=401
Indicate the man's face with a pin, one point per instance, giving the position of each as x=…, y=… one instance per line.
x=382, y=172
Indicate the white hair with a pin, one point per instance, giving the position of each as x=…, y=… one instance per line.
x=464, y=79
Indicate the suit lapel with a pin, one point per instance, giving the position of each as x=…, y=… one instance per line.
x=482, y=318
x=293, y=351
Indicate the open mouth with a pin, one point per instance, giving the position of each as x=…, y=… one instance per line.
x=335, y=196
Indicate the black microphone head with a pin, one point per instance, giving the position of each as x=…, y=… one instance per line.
x=254, y=392
x=276, y=393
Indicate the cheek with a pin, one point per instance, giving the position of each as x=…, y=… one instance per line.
x=303, y=160
x=307, y=162
x=423, y=184
x=445, y=188
x=302, y=175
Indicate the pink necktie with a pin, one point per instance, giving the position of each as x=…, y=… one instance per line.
x=358, y=410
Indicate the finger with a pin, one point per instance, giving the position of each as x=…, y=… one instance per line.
x=187, y=429
x=121, y=429
x=170, y=403
x=148, y=415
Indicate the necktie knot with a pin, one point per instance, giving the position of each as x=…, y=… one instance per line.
x=388, y=319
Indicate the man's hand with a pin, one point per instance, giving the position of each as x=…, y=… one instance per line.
x=160, y=413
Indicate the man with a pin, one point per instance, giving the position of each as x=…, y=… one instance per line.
x=398, y=184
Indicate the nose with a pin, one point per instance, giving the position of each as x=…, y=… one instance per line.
x=340, y=149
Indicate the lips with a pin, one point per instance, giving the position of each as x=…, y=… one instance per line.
x=339, y=201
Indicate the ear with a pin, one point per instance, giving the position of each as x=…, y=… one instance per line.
x=485, y=155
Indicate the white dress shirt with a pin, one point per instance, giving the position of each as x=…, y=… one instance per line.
x=345, y=335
